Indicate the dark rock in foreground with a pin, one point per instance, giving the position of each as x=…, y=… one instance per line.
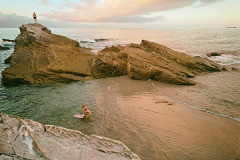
x=4, y=48
x=150, y=61
x=27, y=139
x=44, y=58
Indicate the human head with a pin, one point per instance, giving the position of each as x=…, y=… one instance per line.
x=83, y=106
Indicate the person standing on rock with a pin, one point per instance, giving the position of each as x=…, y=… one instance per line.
x=35, y=17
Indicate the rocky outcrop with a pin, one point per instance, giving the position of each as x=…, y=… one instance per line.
x=8, y=60
x=44, y=58
x=150, y=61
x=4, y=48
x=8, y=40
x=214, y=54
x=27, y=139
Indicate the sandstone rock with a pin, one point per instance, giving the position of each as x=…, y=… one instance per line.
x=27, y=139
x=44, y=58
x=150, y=61
x=4, y=48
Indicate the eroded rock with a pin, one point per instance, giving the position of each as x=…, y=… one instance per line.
x=44, y=58
x=150, y=61
x=27, y=139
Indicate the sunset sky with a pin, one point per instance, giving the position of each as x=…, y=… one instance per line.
x=122, y=13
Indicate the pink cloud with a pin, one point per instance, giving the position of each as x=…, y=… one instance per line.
x=136, y=11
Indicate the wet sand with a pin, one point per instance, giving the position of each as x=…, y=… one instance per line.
x=157, y=127
x=146, y=116
x=217, y=92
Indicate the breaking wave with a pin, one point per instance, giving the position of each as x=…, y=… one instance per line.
x=5, y=43
x=226, y=58
x=92, y=40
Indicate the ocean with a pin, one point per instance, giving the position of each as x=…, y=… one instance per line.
x=111, y=100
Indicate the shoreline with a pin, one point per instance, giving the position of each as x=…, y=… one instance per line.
x=152, y=125
x=149, y=116
x=155, y=122
x=209, y=95
x=202, y=109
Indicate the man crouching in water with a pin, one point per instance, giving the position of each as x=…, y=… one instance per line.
x=86, y=112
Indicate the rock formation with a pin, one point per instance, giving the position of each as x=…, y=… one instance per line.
x=8, y=40
x=214, y=54
x=4, y=48
x=27, y=139
x=150, y=61
x=8, y=60
x=44, y=58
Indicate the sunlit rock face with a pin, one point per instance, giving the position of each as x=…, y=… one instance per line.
x=44, y=58
x=150, y=61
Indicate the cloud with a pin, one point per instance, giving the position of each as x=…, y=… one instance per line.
x=45, y=2
x=12, y=20
x=40, y=2
x=133, y=19
x=126, y=11
x=15, y=21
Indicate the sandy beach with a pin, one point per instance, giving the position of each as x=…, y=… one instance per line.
x=156, y=120
x=158, y=127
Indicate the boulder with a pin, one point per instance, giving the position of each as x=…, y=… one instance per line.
x=4, y=48
x=150, y=60
x=44, y=58
x=27, y=139
x=8, y=40
x=214, y=54
x=8, y=60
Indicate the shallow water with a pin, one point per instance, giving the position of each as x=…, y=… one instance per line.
x=125, y=110
x=217, y=93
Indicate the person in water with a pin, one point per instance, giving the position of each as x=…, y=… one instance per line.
x=86, y=112
x=35, y=17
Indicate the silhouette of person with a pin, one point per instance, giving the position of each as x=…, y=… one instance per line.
x=35, y=17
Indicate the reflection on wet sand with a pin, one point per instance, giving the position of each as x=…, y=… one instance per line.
x=157, y=127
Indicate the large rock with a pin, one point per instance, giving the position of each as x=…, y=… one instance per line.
x=150, y=61
x=44, y=58
x=27, y=139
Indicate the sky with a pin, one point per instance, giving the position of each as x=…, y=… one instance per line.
x=122, y=13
